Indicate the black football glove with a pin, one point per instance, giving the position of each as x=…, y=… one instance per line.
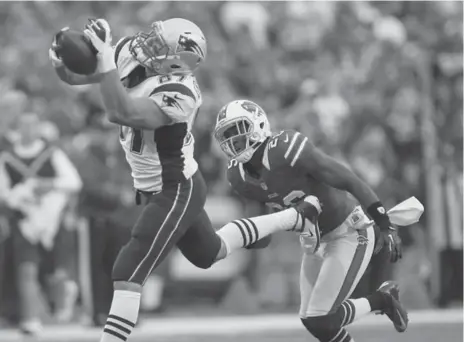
x=389, y=238
x=388, y=235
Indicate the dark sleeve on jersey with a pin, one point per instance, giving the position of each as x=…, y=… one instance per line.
x=325, y=169
x=285, y=148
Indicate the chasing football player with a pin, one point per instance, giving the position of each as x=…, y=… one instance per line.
x=280, y=170
x=148, y=88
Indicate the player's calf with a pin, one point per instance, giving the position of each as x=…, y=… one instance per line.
x=243, y=233
x=246, y=232
x=329, y=327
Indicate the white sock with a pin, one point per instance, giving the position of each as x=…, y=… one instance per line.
x=244, y=232
x=122, y=317
x=355, y=309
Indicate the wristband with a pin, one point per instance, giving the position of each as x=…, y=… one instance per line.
x=379, y=215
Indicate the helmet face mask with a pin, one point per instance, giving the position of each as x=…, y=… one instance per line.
x=150, y=49
x=174, y=46
x=240, y=129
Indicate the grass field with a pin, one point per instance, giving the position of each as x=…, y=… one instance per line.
x=427, y=326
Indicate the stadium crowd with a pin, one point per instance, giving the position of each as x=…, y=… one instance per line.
x=357, y=77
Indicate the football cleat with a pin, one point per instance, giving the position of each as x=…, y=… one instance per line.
x=394, y=310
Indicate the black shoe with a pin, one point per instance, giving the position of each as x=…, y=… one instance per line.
x=394, y=310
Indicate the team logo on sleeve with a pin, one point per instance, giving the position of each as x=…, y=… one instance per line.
x=185, y=43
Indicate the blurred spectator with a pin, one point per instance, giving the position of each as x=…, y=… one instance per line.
x=451, y=251
x=36, y=180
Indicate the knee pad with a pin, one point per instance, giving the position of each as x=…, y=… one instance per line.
x=321, y=327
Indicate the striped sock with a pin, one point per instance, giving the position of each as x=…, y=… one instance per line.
x=122, y=317
x=353, y=309
x=244, y=232
x=342, y=336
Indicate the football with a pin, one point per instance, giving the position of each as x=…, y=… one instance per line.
x=76, y=51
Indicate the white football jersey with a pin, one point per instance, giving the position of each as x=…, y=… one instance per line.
x=164, y=155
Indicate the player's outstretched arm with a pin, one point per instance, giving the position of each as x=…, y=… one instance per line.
x=333, y=173
x=143, y=113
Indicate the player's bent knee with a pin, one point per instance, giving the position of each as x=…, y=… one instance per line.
x=203, y=261
x=321, y=327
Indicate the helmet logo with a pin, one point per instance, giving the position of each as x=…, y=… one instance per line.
x=252, y=108
x=185, y=43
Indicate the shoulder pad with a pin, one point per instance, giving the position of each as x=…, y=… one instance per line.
x=123, y=59
x=186, y=85
x=118, y=47
x=284, y=148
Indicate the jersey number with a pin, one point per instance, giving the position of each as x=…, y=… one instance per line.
x=137, y=138
x=291, y=199
x=275, y=140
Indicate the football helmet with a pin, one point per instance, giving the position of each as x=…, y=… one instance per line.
x=241, y=127
x=174, y=46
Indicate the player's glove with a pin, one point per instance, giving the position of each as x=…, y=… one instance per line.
x=56, y=61
x=99, y=33
x=388, y=235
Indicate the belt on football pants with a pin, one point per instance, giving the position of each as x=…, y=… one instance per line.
x=354, y=219
x=145, y=194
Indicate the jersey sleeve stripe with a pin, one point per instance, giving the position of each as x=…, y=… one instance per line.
x=119, y=45
x=298, y=152
x=174, y=87
x=291, y=145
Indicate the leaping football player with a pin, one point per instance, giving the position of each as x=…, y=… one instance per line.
x=148, y=88
x=280, y=170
